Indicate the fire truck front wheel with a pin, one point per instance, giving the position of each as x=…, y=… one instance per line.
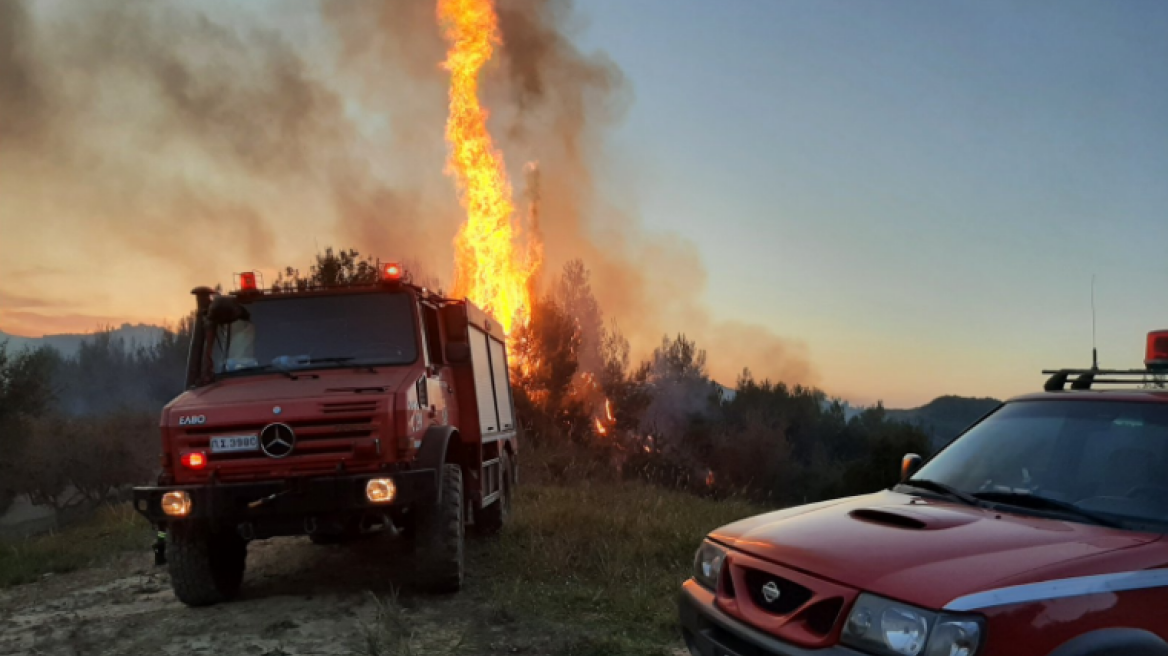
x=440, y=537
x=206, y=566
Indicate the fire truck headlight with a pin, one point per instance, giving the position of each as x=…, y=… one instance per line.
x=380, y=490
x=176, y=503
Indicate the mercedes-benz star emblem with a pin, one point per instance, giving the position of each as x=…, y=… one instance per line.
x=277, y=440
x=770, y=591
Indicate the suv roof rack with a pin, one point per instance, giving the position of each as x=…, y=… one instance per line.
x=1086, y=378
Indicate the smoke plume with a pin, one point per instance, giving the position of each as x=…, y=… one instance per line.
x=168, y=144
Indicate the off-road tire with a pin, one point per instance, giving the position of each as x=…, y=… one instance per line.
x=439, y=544
x=206, y=567
x=492, y=519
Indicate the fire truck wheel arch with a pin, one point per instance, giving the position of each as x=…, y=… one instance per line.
x=435, y=448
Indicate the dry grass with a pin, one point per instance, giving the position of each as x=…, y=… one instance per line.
x=111, y=529
x=602, y=562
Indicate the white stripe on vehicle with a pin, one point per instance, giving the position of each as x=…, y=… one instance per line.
x=1062, y=588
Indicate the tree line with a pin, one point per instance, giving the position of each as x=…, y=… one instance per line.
x=82, y=428
x=665, y=420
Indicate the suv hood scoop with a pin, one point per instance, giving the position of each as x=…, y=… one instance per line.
x=907, y=518
x=890, y=542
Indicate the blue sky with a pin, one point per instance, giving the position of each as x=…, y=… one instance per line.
x=920, y=191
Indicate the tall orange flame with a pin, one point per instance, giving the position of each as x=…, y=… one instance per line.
x=489, y=270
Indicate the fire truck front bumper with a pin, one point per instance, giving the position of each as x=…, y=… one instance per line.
x=325, y=496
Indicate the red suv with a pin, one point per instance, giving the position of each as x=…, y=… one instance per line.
x=1038, y=531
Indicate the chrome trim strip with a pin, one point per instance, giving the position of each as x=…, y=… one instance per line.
x=1060, y=589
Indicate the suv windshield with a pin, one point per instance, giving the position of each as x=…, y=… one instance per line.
x=312, y=332
x=1107, y=459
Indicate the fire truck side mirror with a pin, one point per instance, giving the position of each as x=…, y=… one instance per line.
x=225, y=309
x=457, y=352
x=909, y=465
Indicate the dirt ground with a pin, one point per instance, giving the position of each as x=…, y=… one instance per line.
x=298, y=598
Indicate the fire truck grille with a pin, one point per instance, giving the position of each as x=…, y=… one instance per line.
x=762, y=587
x=346, y=407
x=336, y=431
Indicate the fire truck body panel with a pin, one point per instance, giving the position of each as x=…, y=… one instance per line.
x=329, y=411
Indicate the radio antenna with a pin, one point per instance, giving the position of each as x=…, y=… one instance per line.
x=1094, y=343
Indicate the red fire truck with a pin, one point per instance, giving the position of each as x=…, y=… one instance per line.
x=336, y=412
x=1040, y=530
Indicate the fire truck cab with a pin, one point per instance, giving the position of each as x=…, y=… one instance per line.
x=1039, y=531
x=335, y=412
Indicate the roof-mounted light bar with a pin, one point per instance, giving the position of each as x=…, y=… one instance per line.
x=1155, y=363
x=1156, y=358
x=249, y=281
x=392, y=272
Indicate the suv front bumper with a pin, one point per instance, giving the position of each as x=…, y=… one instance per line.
x=299, y=497
x=710, y=632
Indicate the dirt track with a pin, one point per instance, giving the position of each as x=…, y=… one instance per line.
x=298, y=598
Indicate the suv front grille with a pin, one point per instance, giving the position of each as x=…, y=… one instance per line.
x=791, y=595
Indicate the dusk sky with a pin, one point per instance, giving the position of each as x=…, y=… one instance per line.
x=917, y=192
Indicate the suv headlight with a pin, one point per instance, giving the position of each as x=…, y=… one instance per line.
x=708, y=564
x=882, y=626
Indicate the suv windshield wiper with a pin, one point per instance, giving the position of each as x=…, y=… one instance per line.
x=1038, y=502
x=941, y=488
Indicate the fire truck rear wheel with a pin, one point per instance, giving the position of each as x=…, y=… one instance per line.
x=490, y=520
x=441, y=535
x=206, y=567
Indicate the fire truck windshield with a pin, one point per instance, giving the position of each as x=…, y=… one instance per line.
x=314, y=332
x=1093, y=461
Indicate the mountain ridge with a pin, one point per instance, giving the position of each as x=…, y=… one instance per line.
x=69, y=343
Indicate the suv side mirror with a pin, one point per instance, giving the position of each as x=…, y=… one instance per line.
x=909, y=465
x=457, y=352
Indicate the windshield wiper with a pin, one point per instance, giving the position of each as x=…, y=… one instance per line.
x=1038, y=502
x=312, y=360
x=258, y=367
x=941, y=488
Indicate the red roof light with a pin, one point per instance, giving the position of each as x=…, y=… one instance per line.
x=391, y=272
x=247, y=281
x=1157, y=354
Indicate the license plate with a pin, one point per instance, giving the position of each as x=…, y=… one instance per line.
x=230, y=443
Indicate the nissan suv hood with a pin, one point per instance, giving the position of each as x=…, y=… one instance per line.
x=890, y=542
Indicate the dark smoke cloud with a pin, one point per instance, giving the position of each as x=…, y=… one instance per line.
x=157, y=133
x=21, y=97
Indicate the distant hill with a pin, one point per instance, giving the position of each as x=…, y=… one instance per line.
x=69, y=343
x=946, y=416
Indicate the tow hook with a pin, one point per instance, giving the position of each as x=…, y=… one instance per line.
x=266, y=500
x=310, y=525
